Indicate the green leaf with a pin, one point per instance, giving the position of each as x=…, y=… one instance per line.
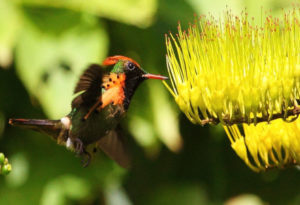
x=10, y=23
x=2, y=157
x=215, y=7
x=20, y=173
x=50, y=57
x=156, y=123
x=165, y=118
x=135, y=12
x=58, y=190
x=245, y=199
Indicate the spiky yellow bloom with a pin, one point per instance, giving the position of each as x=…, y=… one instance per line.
x=267, y=145
x=234, y=71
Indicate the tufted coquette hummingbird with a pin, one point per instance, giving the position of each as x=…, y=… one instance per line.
x=102, y=97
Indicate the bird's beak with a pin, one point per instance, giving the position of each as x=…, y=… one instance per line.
x=152, y=76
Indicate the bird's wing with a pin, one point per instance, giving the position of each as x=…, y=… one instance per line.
x=88, y=87
x=114, y=145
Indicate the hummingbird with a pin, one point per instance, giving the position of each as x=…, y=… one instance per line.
x=102, y=97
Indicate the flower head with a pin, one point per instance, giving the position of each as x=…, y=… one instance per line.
x=266, y=145
x=234, y=71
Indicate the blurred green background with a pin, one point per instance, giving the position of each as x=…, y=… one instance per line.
x=44, y=47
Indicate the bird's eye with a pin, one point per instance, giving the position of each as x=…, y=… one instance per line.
x=131, y=66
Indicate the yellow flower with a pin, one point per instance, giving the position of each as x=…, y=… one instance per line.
x=267, y=145
x=234, y=72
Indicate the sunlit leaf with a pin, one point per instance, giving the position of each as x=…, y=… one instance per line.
x=20, y=171
x=144, y=133
x=62, y=188
x=156, y=123
x=245, y=199
x=10, y=23
x=165, y=118
x=253, y=8
x=215, y=7
x=116, y=195
x=49, y=61
x=136, y=12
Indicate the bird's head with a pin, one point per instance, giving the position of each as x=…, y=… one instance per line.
x=132, y=72
x=130, y=68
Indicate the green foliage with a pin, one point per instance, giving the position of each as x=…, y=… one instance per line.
x=135, y=12
x=2, y=158
x=5, y=167
x=45, y=45
x=8, y=32
x=60, y=52
x=65, y=187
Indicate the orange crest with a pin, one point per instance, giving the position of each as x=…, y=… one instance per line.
x=114, y=59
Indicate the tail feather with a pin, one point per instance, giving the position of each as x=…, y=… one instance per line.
x=49, y=127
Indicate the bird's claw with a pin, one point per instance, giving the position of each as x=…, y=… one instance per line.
x=86, y=161
x=80, y=150
x=79, y=147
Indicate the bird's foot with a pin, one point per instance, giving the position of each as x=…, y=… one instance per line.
x=81, y=151
x=79, y=147
x=87, y=158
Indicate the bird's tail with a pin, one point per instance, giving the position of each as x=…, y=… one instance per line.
x=49, y=127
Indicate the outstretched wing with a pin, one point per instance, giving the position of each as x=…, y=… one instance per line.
x=114, y=145
x=89, y=85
